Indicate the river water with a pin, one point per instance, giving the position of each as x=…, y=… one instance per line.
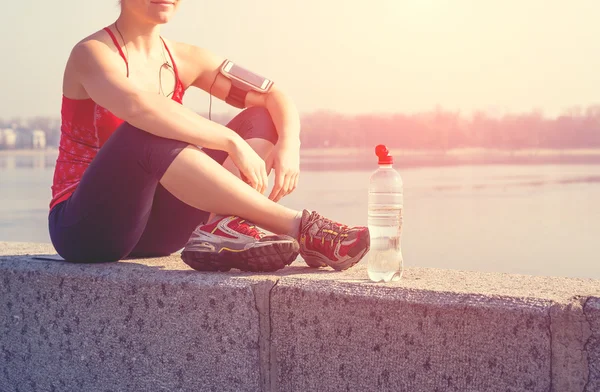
x=529, y=219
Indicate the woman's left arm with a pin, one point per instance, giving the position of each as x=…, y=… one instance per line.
x=200, y=68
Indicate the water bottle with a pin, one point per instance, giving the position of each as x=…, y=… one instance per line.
x=385, y=220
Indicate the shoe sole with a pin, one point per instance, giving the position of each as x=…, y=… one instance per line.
x=315, y=264
x=266, y=258
x=350, y=263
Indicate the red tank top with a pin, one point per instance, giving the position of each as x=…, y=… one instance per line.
x=85, y=127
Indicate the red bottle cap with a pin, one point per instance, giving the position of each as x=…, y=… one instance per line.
x=384, y=155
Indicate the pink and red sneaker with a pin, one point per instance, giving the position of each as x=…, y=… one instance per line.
x=233, y=242
x=324, y=242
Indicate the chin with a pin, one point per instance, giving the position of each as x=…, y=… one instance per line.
x=153, y=11
x=162, y=17
x=161, y=11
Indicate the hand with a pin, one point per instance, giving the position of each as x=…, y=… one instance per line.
x=251, y=166
x=285, y=159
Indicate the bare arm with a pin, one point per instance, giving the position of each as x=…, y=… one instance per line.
x=203, y=67
x=202, y=71
x=156, y=114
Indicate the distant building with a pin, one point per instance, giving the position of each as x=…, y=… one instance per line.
x=38, y=139
x=23, y=138
x=8, y=138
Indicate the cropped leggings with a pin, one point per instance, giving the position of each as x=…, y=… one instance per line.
x=120, y=209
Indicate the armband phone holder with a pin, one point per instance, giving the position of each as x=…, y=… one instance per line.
x=242, y=82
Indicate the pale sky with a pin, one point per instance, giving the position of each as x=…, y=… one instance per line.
x=353, y=57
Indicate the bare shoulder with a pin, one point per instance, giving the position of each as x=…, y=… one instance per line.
x=100, y=35
x=98, y=41
x=94, y=48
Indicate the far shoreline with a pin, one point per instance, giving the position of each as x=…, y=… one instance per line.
x=320, y=159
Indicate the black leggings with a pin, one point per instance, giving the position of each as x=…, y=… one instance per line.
x=120, y=209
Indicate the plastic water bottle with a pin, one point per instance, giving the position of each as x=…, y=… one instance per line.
x=385, y=220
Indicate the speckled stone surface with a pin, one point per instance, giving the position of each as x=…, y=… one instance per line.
x=435, y=330
x=592, y=347
x=354, y=338
x=154, y=325
x=157, y=325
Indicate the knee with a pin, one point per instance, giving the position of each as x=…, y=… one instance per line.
x=258, y=124
x=128, y=141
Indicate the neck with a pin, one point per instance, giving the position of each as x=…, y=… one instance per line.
x=142, y=36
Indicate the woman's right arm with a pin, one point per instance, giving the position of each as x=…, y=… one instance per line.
x=105, y=83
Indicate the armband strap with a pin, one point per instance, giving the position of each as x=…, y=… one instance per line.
x=237, y=95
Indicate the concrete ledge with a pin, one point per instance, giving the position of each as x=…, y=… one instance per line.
x=592, y=346
x=126, y=326
x=157, y=325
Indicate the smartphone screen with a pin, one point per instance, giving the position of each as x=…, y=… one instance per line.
x=250, y=77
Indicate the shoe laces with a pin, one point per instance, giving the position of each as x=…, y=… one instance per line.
x=248, y=228
x=328, y=226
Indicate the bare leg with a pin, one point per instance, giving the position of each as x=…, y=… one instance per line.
x=196, y=179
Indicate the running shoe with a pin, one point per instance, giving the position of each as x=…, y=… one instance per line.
x=324, y=242
x=233, y=242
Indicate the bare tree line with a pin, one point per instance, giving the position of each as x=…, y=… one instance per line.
x=437, y=130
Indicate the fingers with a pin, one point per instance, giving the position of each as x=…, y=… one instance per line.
x=285, y=189
x=254, y=182
x=279, y=181
x=294, y=183
x=257, y=179
x=289, y=182
x=284, y=185
x=252, y=168
x=269, y=165
x=264, y=178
